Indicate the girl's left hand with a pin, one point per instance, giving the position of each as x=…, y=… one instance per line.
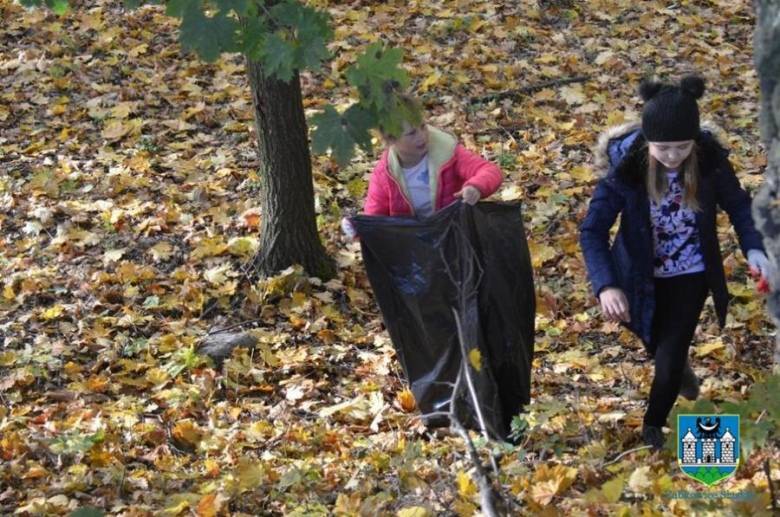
x=757, y=261
x=759, y=266
x=470, y=194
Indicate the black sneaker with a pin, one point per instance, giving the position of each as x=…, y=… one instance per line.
x=690, y=384
x=652, y=435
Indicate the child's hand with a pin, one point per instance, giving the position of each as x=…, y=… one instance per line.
x=470, y=194
x=614, y=304
x=759, y=266
x=349, y=229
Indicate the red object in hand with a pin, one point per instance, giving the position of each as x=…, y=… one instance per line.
x=763, y=285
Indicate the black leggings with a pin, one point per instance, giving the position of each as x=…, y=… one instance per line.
x=678, y=304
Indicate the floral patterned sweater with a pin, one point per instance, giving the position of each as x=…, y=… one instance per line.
x=675, y=233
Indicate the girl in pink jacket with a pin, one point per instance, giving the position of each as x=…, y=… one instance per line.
x=423, y=171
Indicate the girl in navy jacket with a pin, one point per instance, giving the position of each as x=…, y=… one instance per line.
x=665, y=179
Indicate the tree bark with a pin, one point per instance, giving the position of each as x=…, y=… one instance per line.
x=766, y=207
x=288, y=223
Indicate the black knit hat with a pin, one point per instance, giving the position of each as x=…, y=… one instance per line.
x=671, y=113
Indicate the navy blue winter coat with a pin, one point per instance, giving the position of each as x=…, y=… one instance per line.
x=628, y=263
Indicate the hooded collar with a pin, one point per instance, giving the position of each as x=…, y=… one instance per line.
x=622, y=150
x=441, y=149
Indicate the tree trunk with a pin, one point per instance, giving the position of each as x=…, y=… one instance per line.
x=766, y=207
x=288, y=224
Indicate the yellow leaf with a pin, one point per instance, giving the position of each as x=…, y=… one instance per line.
x=52, y=313
x=113, y=255
x=415, y=511
x=243, y=246
x=710, y=348
x=218, y=275
x=639, y=480
x=208, y=506
x=140, y=49
x=613, y=489
x=551, y=481
x=348, y=505
x=406, y=401
x=122, y=110
x=541, y=253
x=177, y=507
x=512, y=193
x=161, y=251
x=209, y=247
x=325, y=412
x=616, y=117
x=431, y=80
x=466, y=485
x=582, y=173
x=464, y=508
x=546, y=58
x=544, y=492
x=157, y=376
x=250, y=474
x=8, y=292
x=332, y=313
x=7, y=358
x=98, y=383
x=475, y=358
x=187, y=431
x=573, y=95
x=117, y=129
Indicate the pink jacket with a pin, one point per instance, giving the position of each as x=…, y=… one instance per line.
x=451, y=168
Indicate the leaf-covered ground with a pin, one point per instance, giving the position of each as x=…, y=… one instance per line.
x=128, y=213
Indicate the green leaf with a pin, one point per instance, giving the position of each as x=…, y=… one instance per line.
x=340, y=133
x=240, y=7
x=308, y=30
x=59, y=7
x=277, y=54
x=331, y=133
x=252, y=37
x=359, y=125
x=177, y=8
x=208, y=36
x=377, y=75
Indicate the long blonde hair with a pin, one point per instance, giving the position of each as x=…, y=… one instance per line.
x=658, y=183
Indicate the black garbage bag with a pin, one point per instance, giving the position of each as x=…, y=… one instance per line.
x=473, y=259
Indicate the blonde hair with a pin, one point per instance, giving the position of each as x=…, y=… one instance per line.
x=408, y=103
x=658, y=183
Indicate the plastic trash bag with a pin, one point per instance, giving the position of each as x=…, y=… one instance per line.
x=473, y=259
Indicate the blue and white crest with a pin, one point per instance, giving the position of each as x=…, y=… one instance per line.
x=708, y=446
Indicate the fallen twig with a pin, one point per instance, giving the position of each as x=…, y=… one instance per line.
x=525, y=90
x=636, y=449
x=768, y=473
x=487, y=494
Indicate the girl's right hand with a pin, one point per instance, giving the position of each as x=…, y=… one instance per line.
x=349, y=229
x=614, y=304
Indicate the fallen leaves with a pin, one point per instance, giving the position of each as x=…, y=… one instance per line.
x=128, y=208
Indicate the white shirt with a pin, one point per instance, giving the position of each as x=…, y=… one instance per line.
x=418, y=183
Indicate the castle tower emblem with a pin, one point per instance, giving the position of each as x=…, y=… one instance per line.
x=708, y=446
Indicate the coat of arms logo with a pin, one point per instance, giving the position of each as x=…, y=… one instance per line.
x=708, y=446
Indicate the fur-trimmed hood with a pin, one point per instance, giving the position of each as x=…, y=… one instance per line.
x=622, y=149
